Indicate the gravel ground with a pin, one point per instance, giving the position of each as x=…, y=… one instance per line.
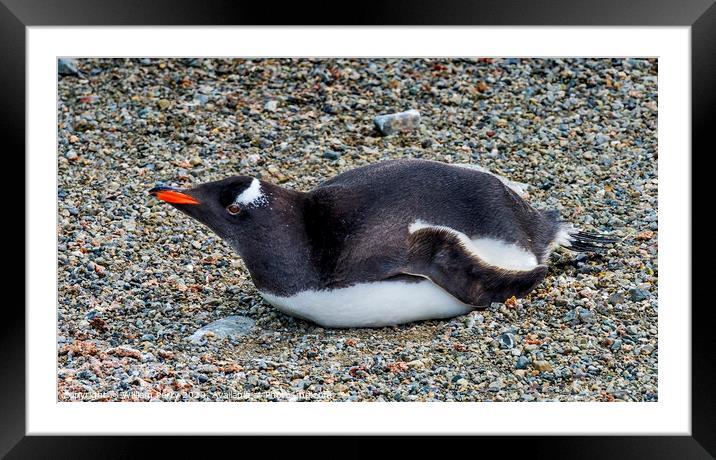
x=137, y=279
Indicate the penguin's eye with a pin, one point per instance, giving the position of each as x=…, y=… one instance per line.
x=233, y=209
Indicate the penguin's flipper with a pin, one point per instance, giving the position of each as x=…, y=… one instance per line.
x=440, y=256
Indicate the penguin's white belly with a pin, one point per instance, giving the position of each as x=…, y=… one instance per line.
x=382, y=303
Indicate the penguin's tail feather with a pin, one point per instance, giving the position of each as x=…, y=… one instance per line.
x=573, y=239
x=588, y=242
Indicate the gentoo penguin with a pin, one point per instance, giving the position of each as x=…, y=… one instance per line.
x=384, y=244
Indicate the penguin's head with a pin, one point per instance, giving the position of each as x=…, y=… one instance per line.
x=231, y=207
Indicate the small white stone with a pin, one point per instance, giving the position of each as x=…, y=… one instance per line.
x=271, y=106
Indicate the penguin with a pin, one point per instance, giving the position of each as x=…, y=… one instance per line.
x=385, y=244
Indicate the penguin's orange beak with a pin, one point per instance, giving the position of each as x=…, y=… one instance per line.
x=172, y=195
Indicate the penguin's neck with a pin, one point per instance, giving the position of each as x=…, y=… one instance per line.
x=276, y=250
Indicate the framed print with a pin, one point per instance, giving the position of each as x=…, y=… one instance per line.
x=465, y=219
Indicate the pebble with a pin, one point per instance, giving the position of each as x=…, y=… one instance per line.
x=416, y=364
x=506, y=340
x=637, y=295
x=616, y=298
x=578, y=315
x=253, y=158
x=397, y=122
x=271, y=106
x=522, y=362
x=331, y=155
x=230, y=326
x=495, y=386
x=601, y=139
x=542, y=366
x=67, y=66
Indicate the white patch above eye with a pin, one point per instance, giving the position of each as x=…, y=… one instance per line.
x=381, y=303
x=497, y=253
x=253, y=195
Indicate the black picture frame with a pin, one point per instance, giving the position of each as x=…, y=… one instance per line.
x=700, y=15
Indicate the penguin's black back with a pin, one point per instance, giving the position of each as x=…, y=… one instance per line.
x=357, y=222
